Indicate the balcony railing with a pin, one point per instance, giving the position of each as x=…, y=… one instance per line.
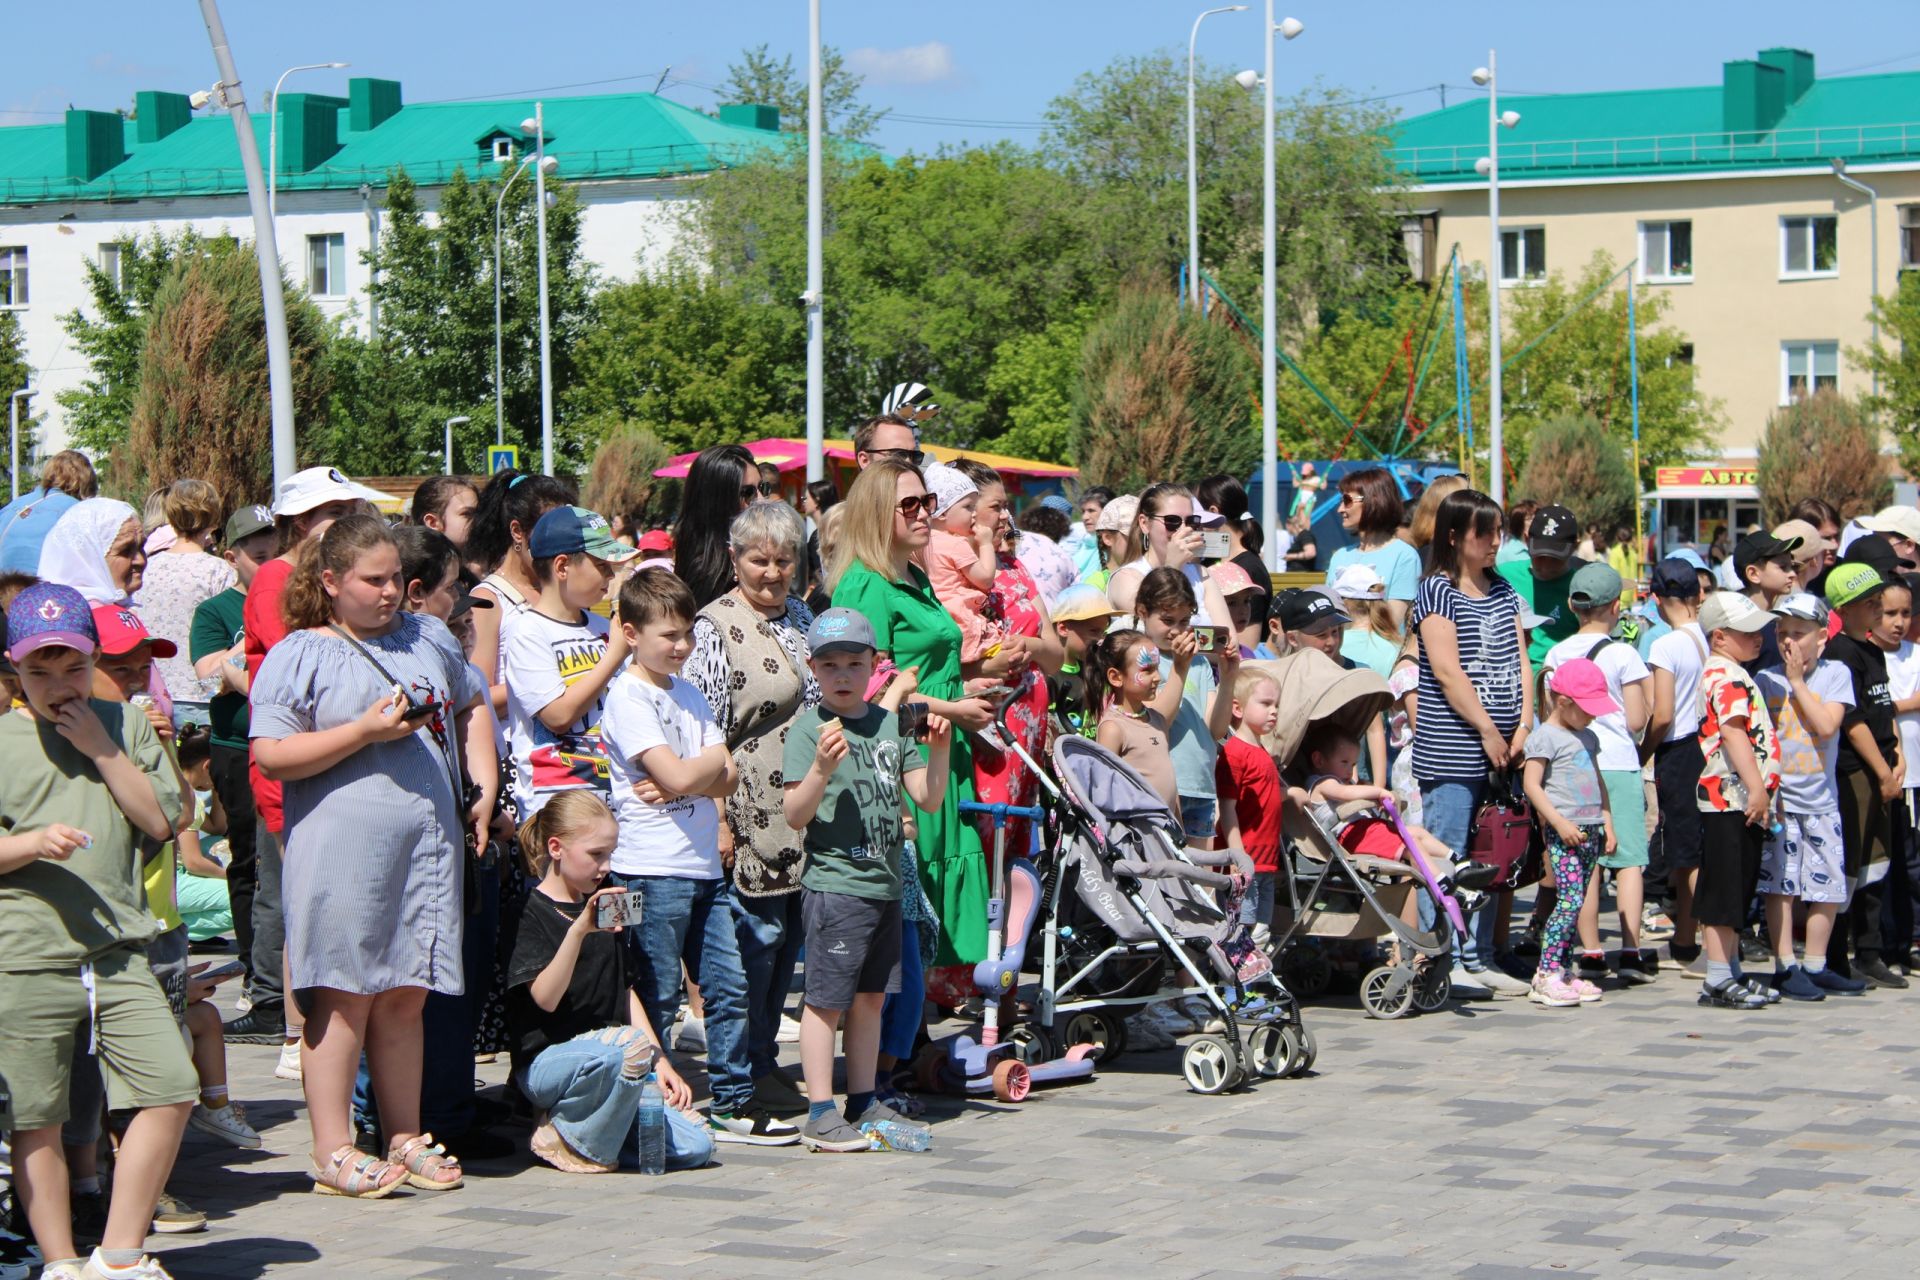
x=1519, y=158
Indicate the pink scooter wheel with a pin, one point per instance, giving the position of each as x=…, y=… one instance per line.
x=1011, y=1081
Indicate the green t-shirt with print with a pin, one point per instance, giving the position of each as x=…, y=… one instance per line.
x=853, y=842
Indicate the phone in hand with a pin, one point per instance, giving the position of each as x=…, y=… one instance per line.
x=913, y=721
x=1209, y=639
x=418, y=711
x=220, y=972
x=1215, y=544
x=616, y=910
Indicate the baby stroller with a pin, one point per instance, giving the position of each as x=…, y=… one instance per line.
x=1130, y=919
x=1334, y=895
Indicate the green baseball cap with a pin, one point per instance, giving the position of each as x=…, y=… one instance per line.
x=1849, y=582
x=1593, y=585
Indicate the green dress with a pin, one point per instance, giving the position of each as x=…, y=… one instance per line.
x=915, y=630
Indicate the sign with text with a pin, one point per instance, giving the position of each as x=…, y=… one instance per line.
x=1706, y=477
x=502, y=456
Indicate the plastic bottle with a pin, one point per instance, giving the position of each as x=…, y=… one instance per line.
x=889, y=1135
x=652, y=1127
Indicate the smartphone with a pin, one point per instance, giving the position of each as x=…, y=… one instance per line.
x=1215, y=544
x=419, y=711
x=1209, y=639
x=913, y=721
x=615, y=910
x=220, y=972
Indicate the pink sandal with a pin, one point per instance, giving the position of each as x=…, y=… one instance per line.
x=356, y=1175
x=424, y=1160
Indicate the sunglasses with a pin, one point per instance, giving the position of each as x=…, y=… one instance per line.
x=912, y=457
x=1172, y=523
x=916, y=505
x=1351, y=499
x=748, y=492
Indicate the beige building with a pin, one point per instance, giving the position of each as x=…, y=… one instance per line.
x=1727, y=196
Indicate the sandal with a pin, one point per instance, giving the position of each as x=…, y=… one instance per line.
x=353, y=1173
x=549, y=1146
x=424, y=1159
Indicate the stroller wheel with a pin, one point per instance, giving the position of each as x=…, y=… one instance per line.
x=1210, y=1065
x=1433, y=988
x=1386, y=992
x=1011, y=1083
x=1309, y=1050
x=1033, y=1044
x=1104, y=1029
x=1273, y=1050
x=1306, y=971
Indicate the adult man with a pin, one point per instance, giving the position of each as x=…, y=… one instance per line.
x=1082, y=543
x=67, y=479
x=1543, y=577
x=887, y=435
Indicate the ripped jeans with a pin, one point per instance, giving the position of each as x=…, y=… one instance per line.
x=596, y=1107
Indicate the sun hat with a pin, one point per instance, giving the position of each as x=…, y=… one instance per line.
x=314, y=487
x=246, y=522
x=1553, y=533
x=948, y=485
x=1117, y=516
x=1811, y=543
x=1054, y=502
x=573, y=531
x=1803, y=605
x=1901, y=521
x=1359, y=582
x=1692, y=557
x=1308, y=609
x=1593, y=585
x=840, y=629
x=1231, y=578
x=48, y=614
x=1850, y=582
x=1582, y=680
x=1757, y=548
x=1676, y=578
x=1082, y=601
x=1731, y=611
x=656, y=540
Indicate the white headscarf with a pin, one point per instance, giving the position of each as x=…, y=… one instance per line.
x=75, y=554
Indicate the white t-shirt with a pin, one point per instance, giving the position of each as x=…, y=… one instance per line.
x=539, y=658
x=1682, y=651
x=681, y=837
x=1620, y=664
x=1903, y=679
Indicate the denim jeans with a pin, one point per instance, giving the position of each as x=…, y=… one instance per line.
x=770, y=936
x=597, y=1110
x=694, y=922
x=901, y=1016
x=1448, y=809
x=1257, y=906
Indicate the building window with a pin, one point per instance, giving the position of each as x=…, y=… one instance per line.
x=503, y=150
x=327, y=266
x=1666, y=251
x=1809, y=246
x=1523, y=255
x=1909, y=236
x=113, y=265
x=1807, y=368
x=1682, y=355
x=13, y=277
x=1419, y=233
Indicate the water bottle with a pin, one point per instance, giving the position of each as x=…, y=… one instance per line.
x=652, y=1127
x=891, y=1135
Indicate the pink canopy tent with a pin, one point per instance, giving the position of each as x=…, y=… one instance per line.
x=791, y=455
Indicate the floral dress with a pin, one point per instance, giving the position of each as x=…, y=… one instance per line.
x=1001, y=777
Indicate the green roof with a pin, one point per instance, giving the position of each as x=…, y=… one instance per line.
x=633, y=135
x=1766, y=113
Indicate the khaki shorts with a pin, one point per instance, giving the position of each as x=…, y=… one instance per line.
x=142, y=1056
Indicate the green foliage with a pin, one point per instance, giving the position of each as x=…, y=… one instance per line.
x=621, y=480
x=1895, y=359
x=1035, y=374
x=1827, y=447
x=1575, y=463
x=15, y=372
x=759, y=79
x=1163, y=392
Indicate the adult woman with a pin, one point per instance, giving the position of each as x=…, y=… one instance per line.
x=67, y=478
x=513, y=503
x=720, y=484
x=1227, y=497
x=1370, y=512
x=872, y=572
x=750, y=661
x=1475, y=696
x=176, y=581
x=1169, y=538
x=95, y=548
x=1042, y=554
x=374, y=816
x=1419, y=534
x=1303, y=554
x=818, y=498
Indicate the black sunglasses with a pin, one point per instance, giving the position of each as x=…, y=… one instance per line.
x=916, y=505
x=1172, y=523
x=913, y=457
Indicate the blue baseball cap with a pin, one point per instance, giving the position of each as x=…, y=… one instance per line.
x=1054, y=502
x=48, y=614
x=1676, y=578
x=1692, y=557
x=840, y=629
x=574, y=531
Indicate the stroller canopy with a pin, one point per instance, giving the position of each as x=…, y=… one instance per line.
x=1106, y=785
x=1315, y=688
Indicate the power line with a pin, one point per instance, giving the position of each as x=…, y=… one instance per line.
x=548, y=88
x=1870, y=66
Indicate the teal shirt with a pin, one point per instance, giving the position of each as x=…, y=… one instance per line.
x=1546, y=598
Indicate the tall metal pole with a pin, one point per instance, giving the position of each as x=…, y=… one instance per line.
x=13, y=434
x=816, y=268
x=1633, y=381
x=273, y=131
x=279, y=365
x=459, y=421
x=1496, y=442
x=499, y=392
x=1269, y=431
x=546, y=347
x=1193, y=163
x=1873, y=253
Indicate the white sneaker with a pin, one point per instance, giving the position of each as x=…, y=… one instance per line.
x=1467, y=985
x=228, y=1123
x=692, y=1038
x=789, y=1032
x=1145, y=1033
x=148, y=1268
x=1502, y=983
x=242, y=1005
x=288, y=1068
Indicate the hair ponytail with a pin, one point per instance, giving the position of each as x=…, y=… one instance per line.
x=1110, y=652
x=304, y=603
x=565, y=814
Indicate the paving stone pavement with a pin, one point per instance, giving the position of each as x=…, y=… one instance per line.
x=1643, y=1136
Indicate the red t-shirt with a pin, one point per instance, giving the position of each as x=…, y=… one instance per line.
x=264, y=629
x=1247, y=775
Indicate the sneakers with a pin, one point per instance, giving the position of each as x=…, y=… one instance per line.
x=1637, y=968
x=171, y=1217
x=832, y=1133
x=1588, y=993
x=1145, y=1033
x=1592, y=968
x=88, y=1209
x=1474, y=875
x=1835, y=984
x=1754, y=949
x=1173, y=1019
x=1553, y=991
x=1655, y=924
x=227, y=1123
x=288, y=1068
x=775, y=1092
x=789, y=1032
x=1731, y=994
x=1467, y=985
x=18, y=1257
x=1794, y=984
x=1760, y=987
x=1877, y=974
x=148, y=1268
x=1501, y=984
x=754, y=1126
x=262, y=1024
x=692, y=1036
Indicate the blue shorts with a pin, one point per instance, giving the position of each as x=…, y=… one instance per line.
x=1199, y=817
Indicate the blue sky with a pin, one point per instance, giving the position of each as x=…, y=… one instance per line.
x=953, y=72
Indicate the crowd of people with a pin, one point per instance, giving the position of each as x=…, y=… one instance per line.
x=512, y=776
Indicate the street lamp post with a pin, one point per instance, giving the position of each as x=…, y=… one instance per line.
x=499, y=394
x=1193, y=169
x=273, y=131
x=1269, y=430
x=460, y=421
x=1873, y=250
x=1490, y=166
x=13, y=433
x=538, y=127
x=816, y=270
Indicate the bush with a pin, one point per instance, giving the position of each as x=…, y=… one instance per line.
x=1824, y=447
x=621, y=480
x=1574, y=462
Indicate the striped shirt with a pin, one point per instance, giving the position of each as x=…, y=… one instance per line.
x=1486, y=630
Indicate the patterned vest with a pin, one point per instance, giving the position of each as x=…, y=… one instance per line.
x=767, y=691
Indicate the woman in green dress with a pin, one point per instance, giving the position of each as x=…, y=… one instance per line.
x=884, y=527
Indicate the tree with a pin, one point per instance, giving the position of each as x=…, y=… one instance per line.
x=15, y=373
x=1827, y=447
x=201, y=405
x=758, y=78
x=99, y=410
x=1576, y=464
x=621, y=481
x=1895, y=359
x=1034, y=375
x=1164, y=392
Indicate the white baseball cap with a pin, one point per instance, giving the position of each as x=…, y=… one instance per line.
x=1731, y=611
x=314, y=487
x=1359, y=582
x=1902, y=522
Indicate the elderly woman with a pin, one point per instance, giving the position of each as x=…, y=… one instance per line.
x=96, y=548
x=750, y=660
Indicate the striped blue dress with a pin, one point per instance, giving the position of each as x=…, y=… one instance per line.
x=1486, y=631
x=374, y=847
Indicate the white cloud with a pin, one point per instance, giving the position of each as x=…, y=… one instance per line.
x=928, y=63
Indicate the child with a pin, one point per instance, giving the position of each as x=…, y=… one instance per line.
x=1804, y=858
x=847, y=762
x=1563, y=783
x=1903, y=680
x=1197, y=716
x=1312, y=618
x=200, y=885
x=1737, y=782
x=1080, y=617
x=1372, y=638
x=558, y=658
x=1243, y=596
x=1250, y=794
x=1673, y=740
x=961, y=560
x=670, y=763
x=1594, y=597
x=1869, y=764
x=583, y=1045
x=1123, y=679
x=85, y=781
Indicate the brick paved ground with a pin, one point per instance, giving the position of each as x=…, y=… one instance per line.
x=1639, y=1137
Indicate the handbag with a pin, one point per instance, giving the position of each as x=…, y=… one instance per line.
x=1503, y=835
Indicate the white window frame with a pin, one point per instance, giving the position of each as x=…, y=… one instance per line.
x=113, y=263
x=18, y=292
x=503, y=150
x=1662, y=272
x=336, y=265
x=1907, y=216
x=1812, y=347
x=1788, y=224
x=1524, y=280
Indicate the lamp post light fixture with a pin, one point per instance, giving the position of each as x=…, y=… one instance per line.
x=1193, y=171
x=1288, y=28
x=13, y=434
x=273, y=130
x=1488, y=166
x=549, y=164
x=460, y=421
x=1873, y=251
